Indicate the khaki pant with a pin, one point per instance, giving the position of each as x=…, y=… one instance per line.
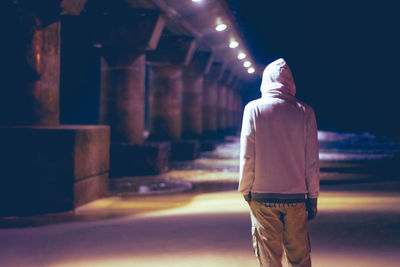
x=277, y=228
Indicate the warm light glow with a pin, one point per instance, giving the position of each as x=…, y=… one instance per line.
x=241, y=55
x=251, y=70
x=247, y=64
x=233, y=44
x=221, y=27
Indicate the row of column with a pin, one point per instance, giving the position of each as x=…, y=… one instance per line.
x=184, y=103
x=190, y=103
x=191, y=95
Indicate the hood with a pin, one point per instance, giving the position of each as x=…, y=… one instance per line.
x=277, y=79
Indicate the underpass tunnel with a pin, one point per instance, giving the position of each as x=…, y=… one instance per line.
x=105, y=89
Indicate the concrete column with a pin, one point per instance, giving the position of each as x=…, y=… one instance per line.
x=192, y=101
x=126, y=35
x=210, y=100
x=166, y=102
x=210, y=111
x=229, y=108
x=193, y=84
x=166, y=85
x=222, y=100
x=122, y=100
x=123, y=71
x=241, y=108
x=240, y=111
x=221, y=124
x=32, y=97
x=237, y=110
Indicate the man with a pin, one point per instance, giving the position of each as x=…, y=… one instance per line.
x=279, y=169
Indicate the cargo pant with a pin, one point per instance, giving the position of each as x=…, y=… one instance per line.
x=279, y=229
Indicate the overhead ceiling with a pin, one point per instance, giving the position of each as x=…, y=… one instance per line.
x=199, y=19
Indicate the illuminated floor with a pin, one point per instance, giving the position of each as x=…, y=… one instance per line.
x=353, y=229
x=357, y=225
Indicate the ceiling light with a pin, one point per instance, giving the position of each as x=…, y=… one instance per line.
x=196, y=1
x=247, y=64
x=241, y=55
x=251, y=70
x=233, y=44
x=221, y=27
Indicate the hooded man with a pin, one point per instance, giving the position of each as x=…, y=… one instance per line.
x=279, y=169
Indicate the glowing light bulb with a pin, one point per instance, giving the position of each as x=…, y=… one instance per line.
x=233, y=44
x=241, y=55
x=251, y=70
x=221, y=27
x=247, y=64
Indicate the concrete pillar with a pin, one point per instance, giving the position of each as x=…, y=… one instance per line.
x=241, y=108
x=193, y=84
x=210, y=100
x=123, y=71
x=45, y=167
x=126, y=35
x=237, y=109
x=166, y=102
x=221, y=118
x=229, y=108
x=222, y=100
x=166, y=85
x=122, y=100
x=32, y=97
x=234, y=110
x=192, y=101
x=166, y=95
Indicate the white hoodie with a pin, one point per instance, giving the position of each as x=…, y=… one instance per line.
x=279, y=144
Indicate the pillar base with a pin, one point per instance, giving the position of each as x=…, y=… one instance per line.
x=185, y=150
x=136, y=160
x=52, y=169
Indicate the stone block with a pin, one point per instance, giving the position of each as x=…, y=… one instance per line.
x=136, y=160
x=51, y=169
x=185, y=150
x=86, y=190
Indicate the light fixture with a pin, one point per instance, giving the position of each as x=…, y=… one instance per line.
x=233, y=44
x=251, y=70
x=241, y=55
x=197, y=1
x=221, y=27
x=247, y=64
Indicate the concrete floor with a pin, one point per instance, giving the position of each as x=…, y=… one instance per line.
x=358, y=225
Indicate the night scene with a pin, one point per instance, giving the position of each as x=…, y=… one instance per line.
x=237, y=133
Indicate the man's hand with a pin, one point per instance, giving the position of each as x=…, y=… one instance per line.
x=312, y=210
x=247, y=197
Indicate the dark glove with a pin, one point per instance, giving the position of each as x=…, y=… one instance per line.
x=311, y=205
x=247, y=197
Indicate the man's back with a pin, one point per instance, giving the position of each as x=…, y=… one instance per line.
x=280, y=139
x=279, y=146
